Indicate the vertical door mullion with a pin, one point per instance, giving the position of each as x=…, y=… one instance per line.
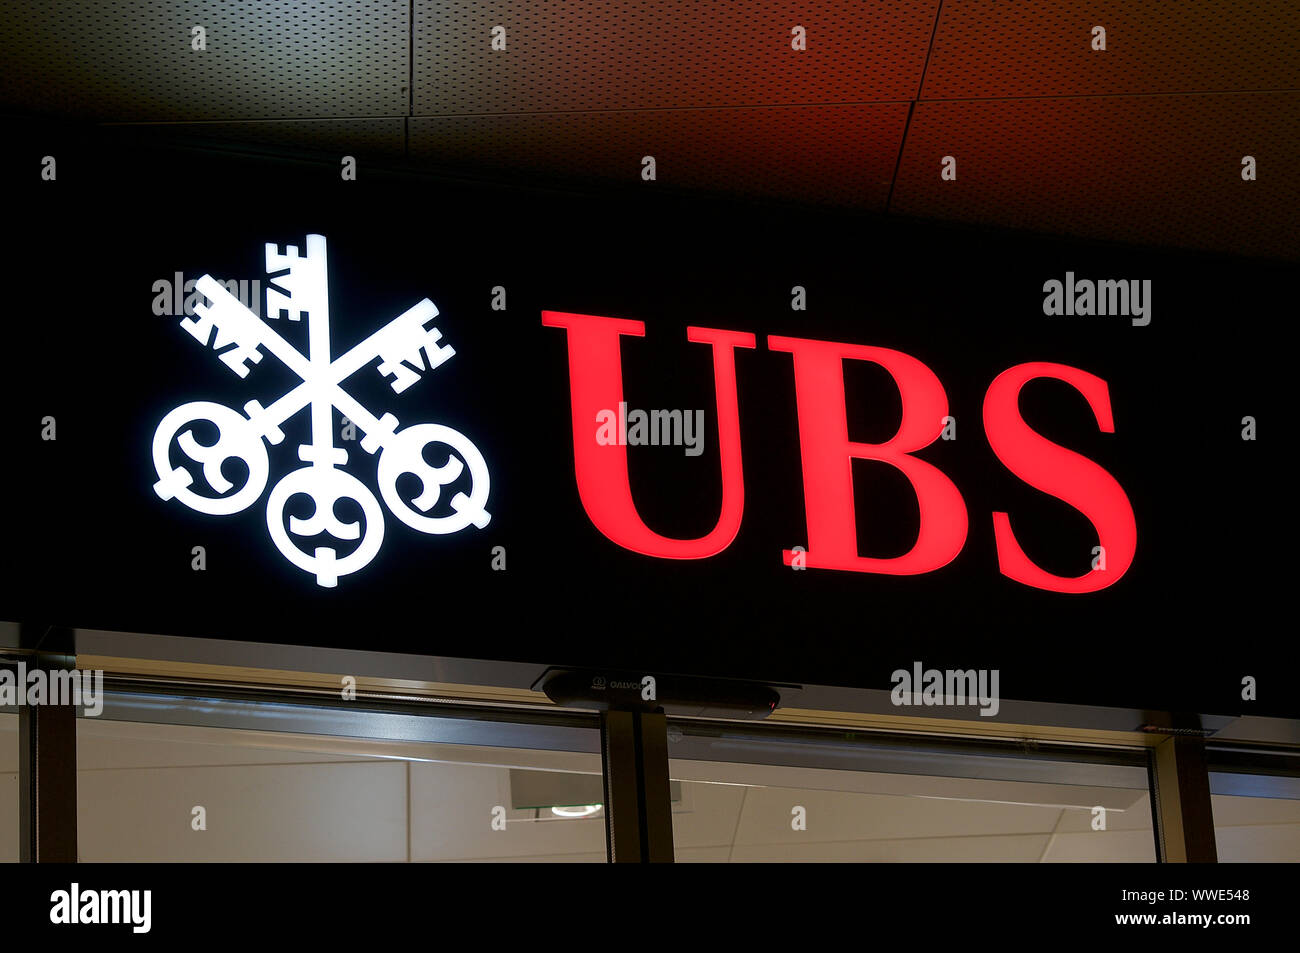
x=1181, y=807
x=47, y=774
x=638, y=807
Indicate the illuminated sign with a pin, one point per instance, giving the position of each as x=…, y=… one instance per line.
x=404, y=348
x=693, y=468
x=601, y=468
x=410, y=345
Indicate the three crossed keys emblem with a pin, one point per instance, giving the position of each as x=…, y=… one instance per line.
x=404, y=348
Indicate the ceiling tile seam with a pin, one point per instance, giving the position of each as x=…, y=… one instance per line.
x=221, y=765
x=228, y=122
x=631, y=109
x=910, y=838
x=898, y=160
x=929, y=51
x=1047, y=847
x=1181, y=92
x=735, y=831
x=410, y=111
x=410, y=58
x=911, y=109
x=638, y=109
x=644, y=109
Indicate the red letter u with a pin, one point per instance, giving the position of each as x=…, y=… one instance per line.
x=596, y=381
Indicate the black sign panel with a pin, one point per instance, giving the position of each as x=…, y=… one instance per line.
x=89, y=362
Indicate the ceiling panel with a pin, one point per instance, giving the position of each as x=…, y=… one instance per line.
x=842, y=155
x=451, y=818
x=269, y=813
x=991, y=48
x=711, y=823
x=991, y=848
x=701, y=855
x=1151, y=169
x=1138, y=143
x=1258, y=844
x=360, y=138
x=592, y=54
x=840, y=816
x=132, y=59
x=1102, y=847
x=1236, y=811
x=1135, y=816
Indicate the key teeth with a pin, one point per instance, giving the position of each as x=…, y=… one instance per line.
x=440, y=356
x=236, y=356
x=200, y=325
x=277, y=301
x=278, y=262
x=272, y=257
x=402, y=376
x=295, y=291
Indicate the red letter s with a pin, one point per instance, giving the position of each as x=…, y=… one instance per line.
x=1067, y=475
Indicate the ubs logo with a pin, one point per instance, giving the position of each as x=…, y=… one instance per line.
x=402, y=350
x=826, y=450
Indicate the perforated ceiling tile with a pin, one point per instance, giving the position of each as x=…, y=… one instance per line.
x=133, y=59
x=385, y=138
x=1150, y=169
x=596, y=54
x=842, y=155
x=986, y=48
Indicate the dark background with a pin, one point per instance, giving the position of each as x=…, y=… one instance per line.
x=90, y=544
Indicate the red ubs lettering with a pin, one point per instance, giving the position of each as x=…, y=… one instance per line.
x=596, y=383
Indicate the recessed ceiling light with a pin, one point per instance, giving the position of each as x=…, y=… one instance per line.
x=583, y=810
